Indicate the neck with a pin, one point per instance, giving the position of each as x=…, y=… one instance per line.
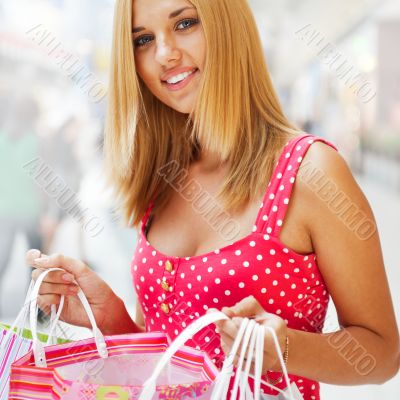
x=209, y=161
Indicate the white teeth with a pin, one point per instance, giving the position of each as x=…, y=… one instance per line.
x=180, y=77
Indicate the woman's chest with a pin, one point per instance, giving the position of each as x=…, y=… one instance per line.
x=185, y=228
x=257, y=265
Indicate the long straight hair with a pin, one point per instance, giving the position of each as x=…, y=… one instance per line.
x=237, y=115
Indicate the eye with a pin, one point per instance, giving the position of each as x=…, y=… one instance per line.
x=145, y=39
x=187, y=23
x=141, y=41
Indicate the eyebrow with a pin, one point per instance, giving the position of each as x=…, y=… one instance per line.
x=172, y=15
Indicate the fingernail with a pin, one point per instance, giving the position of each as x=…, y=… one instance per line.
x=35, y=253
x=41, y=260
x=68, y=277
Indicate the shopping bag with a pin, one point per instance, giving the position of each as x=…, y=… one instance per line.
x=16, y=341
x=250, y=339
x=12, y=347
x=108, y=367
x=144, y=366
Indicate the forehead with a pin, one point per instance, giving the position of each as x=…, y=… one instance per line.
x=149, y=9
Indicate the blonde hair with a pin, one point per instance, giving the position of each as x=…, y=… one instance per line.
x=237, y=115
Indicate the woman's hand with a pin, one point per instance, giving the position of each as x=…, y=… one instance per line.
x=103, y=301
x=251, y=308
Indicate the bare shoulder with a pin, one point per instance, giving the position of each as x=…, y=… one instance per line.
x=321, y=155
x=326, y=181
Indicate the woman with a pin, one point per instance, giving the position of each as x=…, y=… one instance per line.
x=196, y=140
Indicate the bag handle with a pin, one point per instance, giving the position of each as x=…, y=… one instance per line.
x=250, y=327
x=221, y=386
x=54, y=318
x=281, y=362
x=245, y=391
x=222, y=381
x=149, y=387
x=258, y=362
x=241, y=380
x=38, y=348
x=20, y=321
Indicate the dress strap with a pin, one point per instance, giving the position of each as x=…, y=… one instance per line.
x=147, y=215
x=278, y=194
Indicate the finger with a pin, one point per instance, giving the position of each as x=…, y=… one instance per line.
x=236, y=362
x=228, y=312
x=71, y=265
x=225, y=348
x=228, y=328
x=45, y=301
x=51, y=288
x=248, y=307
x=60, y=277
x=31, y=255
x=227, y=341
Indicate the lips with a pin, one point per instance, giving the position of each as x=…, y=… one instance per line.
x=177, y=71
x=175, y=87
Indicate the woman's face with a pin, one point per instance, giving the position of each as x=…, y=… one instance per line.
x=169, y=46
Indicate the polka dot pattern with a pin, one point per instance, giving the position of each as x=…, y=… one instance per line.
x=173, y=291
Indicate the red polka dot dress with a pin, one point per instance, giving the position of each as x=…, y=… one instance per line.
x=173, y=291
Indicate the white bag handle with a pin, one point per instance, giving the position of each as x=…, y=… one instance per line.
x=245, y=342
x=281, y=361
x=222, y=382
x=258, y=362
x=54, y=318
x=248, y=331
x=38, y=348
x=223, y=379
x=20, y=321
x=245, y=391
x=149, y=387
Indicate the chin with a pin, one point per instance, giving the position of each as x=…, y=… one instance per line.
x=184, y=109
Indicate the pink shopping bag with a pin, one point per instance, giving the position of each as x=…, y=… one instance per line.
x=111, y=367
x=76, y=371
x=15, y=342
x=142, y=366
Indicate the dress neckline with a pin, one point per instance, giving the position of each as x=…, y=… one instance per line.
x=236, y=242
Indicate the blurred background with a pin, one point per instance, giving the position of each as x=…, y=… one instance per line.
x=336, y=67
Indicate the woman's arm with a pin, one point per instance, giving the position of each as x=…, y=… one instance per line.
x=119, y=321
x=366, y=350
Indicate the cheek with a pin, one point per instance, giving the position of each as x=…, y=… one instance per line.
x=140, y=68
x=144, y=71
x=200, y=50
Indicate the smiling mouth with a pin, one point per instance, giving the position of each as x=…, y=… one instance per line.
x=180, y=82
x=175, y=81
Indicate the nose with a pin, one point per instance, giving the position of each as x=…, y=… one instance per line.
x=167, y=51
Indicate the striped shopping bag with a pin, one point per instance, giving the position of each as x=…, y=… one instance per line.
x=142, y=366
x=12, y=347
x=16, y=341
x=76, y=370
x=100, y=367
